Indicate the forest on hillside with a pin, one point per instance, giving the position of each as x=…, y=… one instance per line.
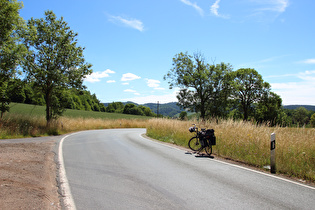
x=42, y=63
x=24, y=92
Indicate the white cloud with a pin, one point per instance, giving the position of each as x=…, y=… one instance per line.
x=301, y=92
x=273, y=5
x=132, y=91
x=154, y=84
x=295, y=92
x=111, y=81
x=194, y=5
x=162, y=99
x=260, y=63
x=129, y=77
x=281, y=5
x=266, y=11
x=125, y=83
x=307, y=76
x=214, y=9
x=281, y=76
x=159, y=88
x=96, y=76
x=133, y=23
x=309, y=61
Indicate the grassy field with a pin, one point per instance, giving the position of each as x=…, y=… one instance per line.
x=25, y=120
x=249, y=144
x=236, y=140
x=33, y=111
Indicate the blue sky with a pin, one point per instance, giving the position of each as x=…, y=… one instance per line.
x=131, y=43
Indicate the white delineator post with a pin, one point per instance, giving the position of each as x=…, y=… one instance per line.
x=273, y=153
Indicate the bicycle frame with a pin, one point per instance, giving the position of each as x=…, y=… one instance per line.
x=195, y=143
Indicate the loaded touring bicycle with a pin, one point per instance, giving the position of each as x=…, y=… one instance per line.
x=204, y=139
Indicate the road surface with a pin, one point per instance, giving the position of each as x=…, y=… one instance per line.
x=119, y=169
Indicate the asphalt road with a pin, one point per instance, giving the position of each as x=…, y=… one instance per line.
x=119, y=169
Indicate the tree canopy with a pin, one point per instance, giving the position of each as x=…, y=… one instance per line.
x=54, y=63
x=11, y=50
x=312, y=120
x=203, y=87
x=248, y=88
x=216, y=91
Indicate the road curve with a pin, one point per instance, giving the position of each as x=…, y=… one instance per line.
x=119, y=169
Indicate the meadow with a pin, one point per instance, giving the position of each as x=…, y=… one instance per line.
x=25, y=120
x=240, y=141
x=248, y=143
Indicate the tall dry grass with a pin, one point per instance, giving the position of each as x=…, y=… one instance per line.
x=76, y=124
x=237, y=140
x=249, y=143
x=18, y=126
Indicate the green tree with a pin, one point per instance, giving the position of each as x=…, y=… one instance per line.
x=4, y=99
x=313, y=120
x=268, y=108
x=77, y=102
x=183, y=115
x=202, y=86
x=11, y=50
x=117, y=107
x=218, y=105
x=110, y=108
x=102, y=107
x=132, y=109
x=300, y=116
x=33, y=94
x=16, y=91
x=96, y=103
x=248, y=88
x=55, y=63
x=146, y=110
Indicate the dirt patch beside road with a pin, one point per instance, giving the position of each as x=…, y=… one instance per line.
x=28, y=175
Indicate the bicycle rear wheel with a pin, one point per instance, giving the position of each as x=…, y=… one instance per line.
x=194, y=144
x=208, y=149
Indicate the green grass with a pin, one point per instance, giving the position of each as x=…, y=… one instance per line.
x=35, y=110
x=25, y=120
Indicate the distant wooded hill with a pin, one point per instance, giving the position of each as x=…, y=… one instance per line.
x=168, y=109
x=171, y=109
x=308, y=107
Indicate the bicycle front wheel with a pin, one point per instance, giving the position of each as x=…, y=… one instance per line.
x=208, y=149
x=194, y=144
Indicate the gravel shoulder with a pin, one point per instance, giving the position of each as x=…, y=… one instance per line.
x=28, y=174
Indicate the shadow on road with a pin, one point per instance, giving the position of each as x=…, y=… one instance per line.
x=199, y=155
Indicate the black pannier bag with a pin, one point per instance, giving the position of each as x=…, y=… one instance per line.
x=203, y=140
x=209, y=134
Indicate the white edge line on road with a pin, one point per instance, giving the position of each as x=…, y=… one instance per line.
x=64, y=184
x=262, y=173
x=241, y=167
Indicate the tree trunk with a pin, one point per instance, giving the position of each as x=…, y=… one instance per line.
x=202, y=111
x=48, y=105
x=245, y=114
x=245, y=111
